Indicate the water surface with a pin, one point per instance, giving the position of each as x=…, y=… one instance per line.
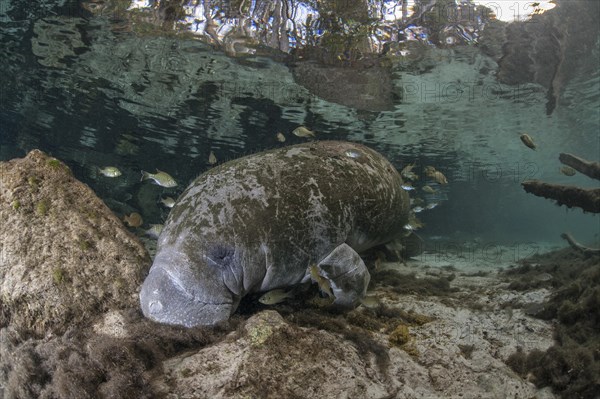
x=159, y=85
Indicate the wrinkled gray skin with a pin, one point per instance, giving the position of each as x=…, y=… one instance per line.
x=257, y=223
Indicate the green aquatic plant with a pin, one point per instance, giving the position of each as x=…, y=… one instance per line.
x=400, y=336
x=33, y=182
x=186, y=373
x=41, y=208
x=572, y=365
x=16, y=205
x=84, y=245
x=331, y=321
x=259, y=334
x=58, y=275
x=54, y=163
x=410, y=284
x=101, y=363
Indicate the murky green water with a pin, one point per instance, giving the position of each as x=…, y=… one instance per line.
x=157, y=85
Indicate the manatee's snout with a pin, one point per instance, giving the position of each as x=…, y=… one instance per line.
x=167, y=298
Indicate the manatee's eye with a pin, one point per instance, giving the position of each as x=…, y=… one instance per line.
x=220, y=255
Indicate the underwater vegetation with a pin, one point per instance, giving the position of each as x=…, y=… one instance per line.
x=80, y=364
x=410, y=284
x=358, y=325
x=572, y=365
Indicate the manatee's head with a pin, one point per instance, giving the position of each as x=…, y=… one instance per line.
x=178, y=291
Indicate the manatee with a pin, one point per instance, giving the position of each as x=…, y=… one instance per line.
x=259, y=222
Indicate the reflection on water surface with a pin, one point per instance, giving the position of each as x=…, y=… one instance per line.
x=162, y=84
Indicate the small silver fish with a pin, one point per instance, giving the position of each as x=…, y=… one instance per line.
x=275, y=296
x=168, y=202
x=154, y=230
x=161, y=178
x=302, y=131
x=280, y=137
x=432, y=205
x=408, y=227
x=407, y=187
x=110, y=171
x=418, y=209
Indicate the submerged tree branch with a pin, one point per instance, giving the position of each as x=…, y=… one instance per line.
x=591, y=169
x=578, y=246
x=586, y=199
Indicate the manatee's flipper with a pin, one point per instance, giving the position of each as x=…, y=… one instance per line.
x=347, y=275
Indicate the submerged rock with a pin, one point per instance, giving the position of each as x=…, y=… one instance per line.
x=65, y=257
x=272, y=358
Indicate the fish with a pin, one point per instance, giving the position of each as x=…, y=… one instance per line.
x=275, y=296
x=428, y=189
x=161, y=178
x=439, y=177
x=410, y=176
x=110, y=171
x=134, y=219
x=154, y=230
x=302, y=131
x=432, y=205
x=212, y=159
x=370, y=301
x=436, y=175
x=416, y=201
x=567, y=171
x=413, y=223
x=528, y=141
x=407, y=172
x=418, y=209
x=323, y=283
x=407, y=187
x=168, y=202
x=280, y=137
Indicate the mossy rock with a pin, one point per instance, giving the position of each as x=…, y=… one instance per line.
x=400, y=336
x=48, y=286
